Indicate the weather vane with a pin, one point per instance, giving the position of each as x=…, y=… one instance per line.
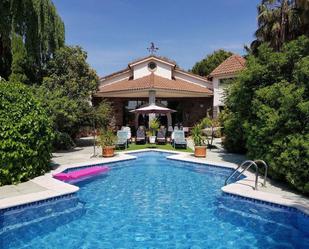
x=152, y=49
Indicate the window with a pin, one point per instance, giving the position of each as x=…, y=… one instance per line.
x=152, y=66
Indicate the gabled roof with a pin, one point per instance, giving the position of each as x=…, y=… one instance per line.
x=157, y=58
x=120, y=72
x=154, y=81
x=182, y=71
x=153, y=57
x=233, y=64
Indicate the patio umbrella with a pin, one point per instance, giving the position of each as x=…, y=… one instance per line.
x=153, y=108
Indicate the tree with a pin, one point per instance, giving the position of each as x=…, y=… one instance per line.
x=19, y=60
x=62, y=112
x=5, y=41
x=267, y=111
x=25, y=135
x=302, y=9
x=280, y=21
x=70, y=71
x=279, y=133
x=66, y=93
x=41, y=31
x=210, y=62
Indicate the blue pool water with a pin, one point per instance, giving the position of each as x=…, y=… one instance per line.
x=153, y=202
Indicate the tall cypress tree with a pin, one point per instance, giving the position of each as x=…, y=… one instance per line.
x=5, y=43
x=19, y=60
x=41, y=31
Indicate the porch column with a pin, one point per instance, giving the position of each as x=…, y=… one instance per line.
x=136, y=120
x=152, y=97
x=152, y=100
x=169, y=119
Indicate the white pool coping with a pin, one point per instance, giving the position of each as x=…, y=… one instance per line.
x=243, y=187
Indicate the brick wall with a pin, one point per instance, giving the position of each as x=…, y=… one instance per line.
x=195, y=109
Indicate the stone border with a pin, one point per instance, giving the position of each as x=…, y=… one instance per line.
x=243, y=188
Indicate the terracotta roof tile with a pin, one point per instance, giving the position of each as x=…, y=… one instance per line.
x=153, y=81
x=233, y=64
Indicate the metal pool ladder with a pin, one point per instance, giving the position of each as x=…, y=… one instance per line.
x=248, y=164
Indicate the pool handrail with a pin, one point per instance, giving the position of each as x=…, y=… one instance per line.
x=266, y=170
x=250, y=163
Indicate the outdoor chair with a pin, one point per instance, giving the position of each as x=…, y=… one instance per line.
x=128, y=130
x=161, y=139
x=122, y=141
x=179, y=139
x=140, y=135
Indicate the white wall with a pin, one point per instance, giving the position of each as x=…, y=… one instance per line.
x=218, y=99
x=218, y=90
x=163, y=70
x=218, y=93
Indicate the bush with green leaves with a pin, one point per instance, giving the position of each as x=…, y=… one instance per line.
x=279, y=134
x=106, y=138
x=198, y=136
x=65, y=94
x=25, y=135
x=267, y=111
x=154, y=126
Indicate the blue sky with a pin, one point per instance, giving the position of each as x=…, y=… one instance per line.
x=115, y=32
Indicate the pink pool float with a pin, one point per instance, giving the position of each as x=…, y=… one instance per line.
x=81, y=173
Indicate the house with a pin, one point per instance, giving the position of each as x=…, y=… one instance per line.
x=159, y=80
x=221, y=76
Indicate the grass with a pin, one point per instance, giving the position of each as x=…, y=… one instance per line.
x=167, y=146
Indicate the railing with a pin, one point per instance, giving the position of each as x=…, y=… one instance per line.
x=250, y=163
x=266, y=170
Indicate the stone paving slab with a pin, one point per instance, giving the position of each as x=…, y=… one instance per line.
x=22, y=188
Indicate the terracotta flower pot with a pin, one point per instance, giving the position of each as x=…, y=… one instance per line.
x=108, y=151
x=200, y=151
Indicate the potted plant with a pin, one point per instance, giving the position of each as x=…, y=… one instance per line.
x=200, y=141
x=153, y=127
x=107, y=141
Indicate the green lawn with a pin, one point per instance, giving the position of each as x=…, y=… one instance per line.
x=134, y=146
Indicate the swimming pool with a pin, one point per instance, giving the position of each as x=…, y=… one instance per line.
x=153, y=202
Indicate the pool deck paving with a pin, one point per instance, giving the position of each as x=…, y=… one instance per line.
x=45, y=187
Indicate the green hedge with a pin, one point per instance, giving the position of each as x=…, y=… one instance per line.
x=267, y=111
x=25, y=135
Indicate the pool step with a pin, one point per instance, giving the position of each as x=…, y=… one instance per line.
x=63, y=210
x=242, y=211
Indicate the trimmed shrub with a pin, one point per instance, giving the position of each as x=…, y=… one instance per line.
x=279, y=134
x=25, y=135
x=267, y=111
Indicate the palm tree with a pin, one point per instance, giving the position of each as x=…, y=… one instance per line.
x=302, y=8
x=278, y=22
